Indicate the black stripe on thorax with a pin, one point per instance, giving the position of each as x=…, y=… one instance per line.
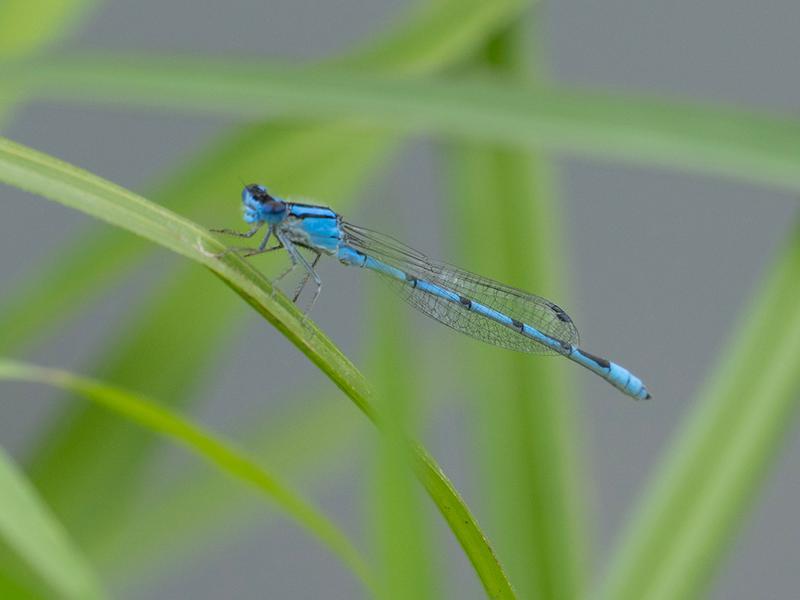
x=331, y=215
x=312, y=216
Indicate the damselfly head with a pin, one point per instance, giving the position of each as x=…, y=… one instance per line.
x=260, y=206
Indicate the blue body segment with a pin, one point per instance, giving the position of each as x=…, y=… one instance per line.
x=313, y=227
x=474, y=305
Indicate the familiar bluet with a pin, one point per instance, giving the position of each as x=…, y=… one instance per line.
x=474, y=305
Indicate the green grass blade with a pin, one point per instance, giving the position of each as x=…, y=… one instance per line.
x=294, y=157
x=175, y=520
x=282, y=153
x=29, y=529
x=721, y=455
x=398, y=521
x=64, y=183
x=463, y=525
x=161, y=355
x=166, y=350
x=746, y=145
x=40, y=174
x=440, y=32
x=525, y=439
x=169, y=524
x=233, y=462
x=146, y=348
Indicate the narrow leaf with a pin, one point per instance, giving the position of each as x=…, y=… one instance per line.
x=235, y=463
x=28, y=528
x=170, y=524
x=73, y=187
x=312, y=159
x=164, y=353
x=746, y=145
x=403, y=545
x=720, y=457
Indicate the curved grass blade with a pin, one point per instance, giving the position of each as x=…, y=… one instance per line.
x=30, y=530
x=167, y=352
x=172, y=521
x=161, y=356
x=233, y=462
x=38, y=173
x=64, y=183
x=177, y=519
x=248, y=151
x=300, y=157
x=102, y=257
x=720, y=457
x=719, y=140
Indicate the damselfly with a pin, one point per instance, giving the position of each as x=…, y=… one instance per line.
x=474, y=305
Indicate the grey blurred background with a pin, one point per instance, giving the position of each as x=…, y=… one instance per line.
x=662, y=261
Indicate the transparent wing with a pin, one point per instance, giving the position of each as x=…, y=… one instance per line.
x=538, y=312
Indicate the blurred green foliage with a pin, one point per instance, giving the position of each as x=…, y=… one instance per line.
x=454, y=68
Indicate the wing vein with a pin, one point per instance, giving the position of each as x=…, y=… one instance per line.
x=533, y=310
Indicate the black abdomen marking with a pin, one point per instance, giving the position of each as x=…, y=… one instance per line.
x=600, y=361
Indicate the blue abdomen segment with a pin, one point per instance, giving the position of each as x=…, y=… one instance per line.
x=351, y=257
x=618, y=376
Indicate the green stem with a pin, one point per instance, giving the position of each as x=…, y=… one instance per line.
x=745, y=145
x=715, y=468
